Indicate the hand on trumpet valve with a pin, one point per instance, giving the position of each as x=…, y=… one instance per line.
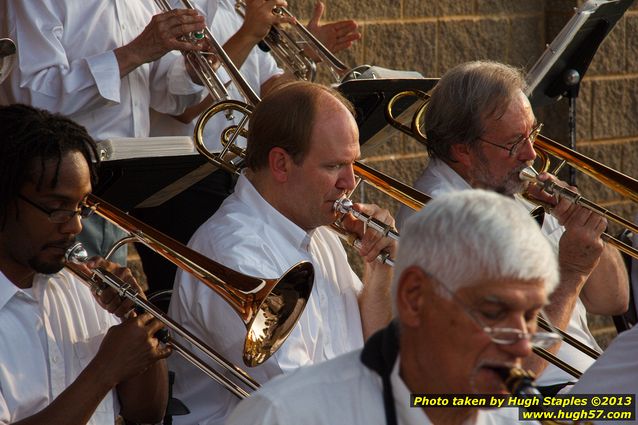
x=108, y=297
x=372, y=242
x=130, y=348
x=167, y=31
x=260, y=16
x=336, y=36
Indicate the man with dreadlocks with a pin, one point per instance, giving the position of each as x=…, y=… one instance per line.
x=65, y=356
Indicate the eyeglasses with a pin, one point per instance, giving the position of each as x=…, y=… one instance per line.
x=514, y=148
x=505, y=336
x=60, y=216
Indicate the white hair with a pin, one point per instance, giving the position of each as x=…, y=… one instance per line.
x=467, y=236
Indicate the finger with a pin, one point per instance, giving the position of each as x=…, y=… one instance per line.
x=343, y=27
x=154, y=326
x=317, y=13
x=123, y=308
x=163, y=351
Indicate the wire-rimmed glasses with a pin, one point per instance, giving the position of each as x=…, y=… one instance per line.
x=516, y=146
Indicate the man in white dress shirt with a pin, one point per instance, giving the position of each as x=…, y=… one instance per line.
x=303, y=141
x=180, y=216
x=480, y=131
x=472, y=272
x=65, y=356
x=104, y=64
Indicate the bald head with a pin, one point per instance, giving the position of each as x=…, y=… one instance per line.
x=285, y=118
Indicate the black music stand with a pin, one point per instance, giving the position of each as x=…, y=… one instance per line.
x=560, y=69
x=370, y=98
x=134, y=175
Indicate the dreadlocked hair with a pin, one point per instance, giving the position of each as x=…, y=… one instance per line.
x=30, y=137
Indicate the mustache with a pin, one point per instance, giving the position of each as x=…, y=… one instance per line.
x=61, y=244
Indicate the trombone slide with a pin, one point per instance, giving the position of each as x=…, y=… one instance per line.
x=269, y=308
x=100, y=277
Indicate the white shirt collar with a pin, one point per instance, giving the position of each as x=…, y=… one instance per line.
x=247, y=193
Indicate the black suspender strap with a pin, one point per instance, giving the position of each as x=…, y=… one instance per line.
x=379, y=354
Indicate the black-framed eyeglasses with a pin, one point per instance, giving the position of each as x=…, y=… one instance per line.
x=505, y=336
x=516, y=146
x=60, y=216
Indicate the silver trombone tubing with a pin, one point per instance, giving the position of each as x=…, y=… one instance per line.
x=344, y=206
x=529, y=174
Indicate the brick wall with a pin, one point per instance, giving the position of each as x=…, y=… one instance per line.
x=431, y=36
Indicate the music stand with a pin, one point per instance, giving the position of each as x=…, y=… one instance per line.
x=560, y=69
x=132, y=177
x=370, y=97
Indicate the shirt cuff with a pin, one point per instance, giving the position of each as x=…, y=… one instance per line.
x=106, y=72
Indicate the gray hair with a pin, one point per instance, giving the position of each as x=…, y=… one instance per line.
x=463, y=99
x=467, y=236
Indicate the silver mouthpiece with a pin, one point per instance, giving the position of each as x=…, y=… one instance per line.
x=528, y=174
x=343, y=205
x=76, y=254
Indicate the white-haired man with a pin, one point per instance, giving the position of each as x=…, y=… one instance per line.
x=472, y=272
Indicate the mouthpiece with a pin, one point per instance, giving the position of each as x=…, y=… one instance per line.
x=343, y=205
x=528, y=174
x=76, y=254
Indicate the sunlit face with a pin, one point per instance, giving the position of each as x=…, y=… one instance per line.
x=493, y=168
x=458, y=356
x=29, y=241
x=326, y=173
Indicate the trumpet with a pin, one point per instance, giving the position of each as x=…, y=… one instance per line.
x=269, y=308
x=203, y=68
x=98, y=278
x=289, y=47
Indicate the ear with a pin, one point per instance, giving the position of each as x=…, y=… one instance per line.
x=279, y=162
x=462, y=154
x=410, y=298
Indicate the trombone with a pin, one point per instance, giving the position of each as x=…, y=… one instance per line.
x=288, y=47
x=344, y=206
x=621, y=183
x=269, y=308
x=99, y=277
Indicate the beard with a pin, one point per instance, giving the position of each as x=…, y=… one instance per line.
x=45, y=267
x=508, y=185
x=47, y=264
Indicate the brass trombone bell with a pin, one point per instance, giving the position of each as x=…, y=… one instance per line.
x=99, y=277
x=269, y=308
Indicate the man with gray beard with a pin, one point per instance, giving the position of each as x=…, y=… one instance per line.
x=480, y=131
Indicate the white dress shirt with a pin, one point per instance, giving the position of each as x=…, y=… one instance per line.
x=615, y=371
x=258, y=68
x=66, y=64
x=438, y=178
x=48, y=335
x=340, y=391
x=248, y=235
